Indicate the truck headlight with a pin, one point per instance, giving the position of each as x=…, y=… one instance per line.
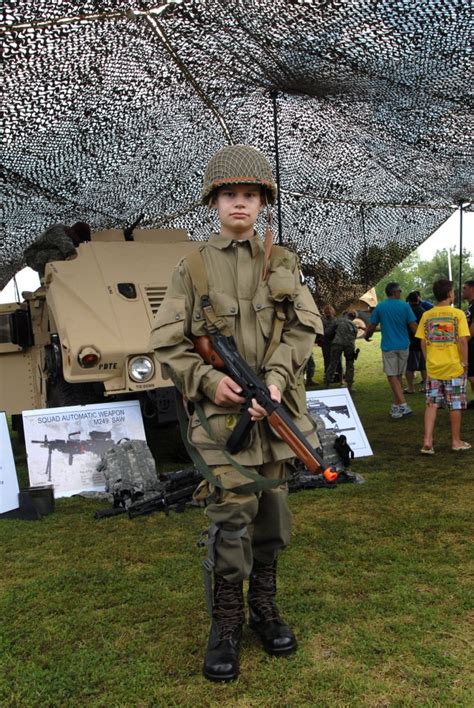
x=141, y=369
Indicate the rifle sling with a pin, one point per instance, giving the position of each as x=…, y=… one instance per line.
x=258, y=482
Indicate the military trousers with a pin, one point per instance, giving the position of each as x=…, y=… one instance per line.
x=264, y=520
x=336, y=351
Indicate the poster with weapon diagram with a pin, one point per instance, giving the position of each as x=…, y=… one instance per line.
x=338, y=413
x=64, y=445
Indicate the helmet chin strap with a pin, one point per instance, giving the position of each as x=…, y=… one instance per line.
x=268, y=239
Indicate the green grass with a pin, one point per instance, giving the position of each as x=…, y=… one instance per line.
x=376, y=584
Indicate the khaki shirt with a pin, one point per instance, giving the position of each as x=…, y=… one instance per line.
x=247, y=305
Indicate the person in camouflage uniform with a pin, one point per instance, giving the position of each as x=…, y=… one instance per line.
x=249, y=527
x=58, y=243
x=345, y=333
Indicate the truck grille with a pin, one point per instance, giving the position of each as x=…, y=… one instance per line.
x=155, y=295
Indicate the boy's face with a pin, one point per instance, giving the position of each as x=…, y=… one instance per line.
x=238, y=206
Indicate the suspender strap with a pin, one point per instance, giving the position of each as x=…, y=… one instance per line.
x=195, y=263
x=197, y=269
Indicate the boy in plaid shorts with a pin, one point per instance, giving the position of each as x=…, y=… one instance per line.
x=444, y=334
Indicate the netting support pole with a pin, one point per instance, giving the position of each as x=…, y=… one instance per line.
x=366, y=255
x=274, y=95
x=460, y=257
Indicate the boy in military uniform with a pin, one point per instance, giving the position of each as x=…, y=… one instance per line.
x=255, y=294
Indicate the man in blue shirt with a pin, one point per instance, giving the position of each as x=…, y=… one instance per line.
x=395, y=317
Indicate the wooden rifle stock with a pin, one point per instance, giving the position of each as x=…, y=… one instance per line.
x=300, y=450
x=204, y=348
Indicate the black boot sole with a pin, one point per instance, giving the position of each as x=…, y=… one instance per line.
x=219, y=678
x=286, y=651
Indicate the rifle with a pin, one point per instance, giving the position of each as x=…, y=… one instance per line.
x=176, y=490
x=221, y=352
x=313, y=481
x=320, y=408
x=98, y=442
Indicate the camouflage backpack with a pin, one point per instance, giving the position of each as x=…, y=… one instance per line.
x=130, y=472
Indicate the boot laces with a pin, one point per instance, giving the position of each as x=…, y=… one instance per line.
x=228, y=608
x=263, y=591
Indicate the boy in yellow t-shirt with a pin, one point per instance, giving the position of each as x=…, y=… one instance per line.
x=444, y=334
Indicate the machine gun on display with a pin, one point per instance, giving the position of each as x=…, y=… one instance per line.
x=98, y=442
x=176, y=491
x=221, y=352
x=322, y=409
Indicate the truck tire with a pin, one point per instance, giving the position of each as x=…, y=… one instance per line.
x=364, y=315
x=61, y=393
x=17, y=426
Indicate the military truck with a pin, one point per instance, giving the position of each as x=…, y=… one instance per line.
x=82, y=337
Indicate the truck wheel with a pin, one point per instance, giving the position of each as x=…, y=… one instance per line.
x=61, y=393
x=364, y=316
x=17, y=426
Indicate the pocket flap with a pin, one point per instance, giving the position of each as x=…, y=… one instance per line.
x=308, y=318
x=224, y=305
x=172, y=310
x=261, y=300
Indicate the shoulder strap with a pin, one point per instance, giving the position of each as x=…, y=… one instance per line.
x=280, y=314
x=198, y=273
x=197, y=270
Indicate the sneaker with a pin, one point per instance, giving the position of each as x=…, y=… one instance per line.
x=405, y=409
x=395, y=411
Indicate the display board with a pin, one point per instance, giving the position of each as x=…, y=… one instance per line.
x=64, y=445
x=8, y=480
x=339, y=414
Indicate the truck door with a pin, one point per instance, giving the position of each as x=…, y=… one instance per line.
x=20, y=370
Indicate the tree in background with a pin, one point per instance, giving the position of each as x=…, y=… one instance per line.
x=415, y=274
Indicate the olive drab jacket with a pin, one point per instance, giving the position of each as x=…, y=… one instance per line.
x=247, y=305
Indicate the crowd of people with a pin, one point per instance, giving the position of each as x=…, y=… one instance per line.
x=436, y=340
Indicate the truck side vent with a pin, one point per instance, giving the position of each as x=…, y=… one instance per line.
x=155, y=296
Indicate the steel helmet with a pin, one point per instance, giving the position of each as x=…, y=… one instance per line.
x=238, y=164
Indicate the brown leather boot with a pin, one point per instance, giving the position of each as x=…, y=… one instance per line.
x=221, y=662
x=276, y=636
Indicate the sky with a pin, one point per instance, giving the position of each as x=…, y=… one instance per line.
x=447, y=236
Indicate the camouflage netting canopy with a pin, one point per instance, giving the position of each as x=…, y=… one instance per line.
x=114, y=107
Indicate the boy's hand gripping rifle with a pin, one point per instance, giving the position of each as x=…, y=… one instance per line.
x=221, y=352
